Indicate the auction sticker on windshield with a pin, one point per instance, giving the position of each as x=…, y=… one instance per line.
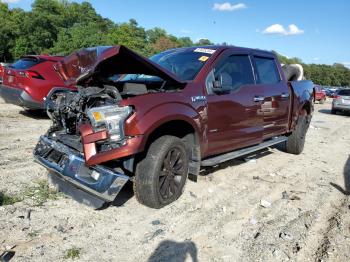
x=203, y=58
x=205, y=50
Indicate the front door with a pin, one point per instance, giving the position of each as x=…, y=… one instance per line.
x=233, y=115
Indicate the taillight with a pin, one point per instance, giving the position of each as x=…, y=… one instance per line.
x=31, y=74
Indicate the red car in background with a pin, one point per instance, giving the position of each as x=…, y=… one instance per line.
x=320, y=94
x=28, y=81
x=2, y=70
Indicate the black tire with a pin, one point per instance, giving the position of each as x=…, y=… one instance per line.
x=333, y=111
x=161, y=175
x=296, y=141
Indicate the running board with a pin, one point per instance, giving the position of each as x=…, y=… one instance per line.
x=234, y=154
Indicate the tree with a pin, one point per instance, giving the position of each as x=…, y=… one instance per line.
x=204, y=42
x=10, y=21
x=164, y=43
x=77, y=37
x=128, y=34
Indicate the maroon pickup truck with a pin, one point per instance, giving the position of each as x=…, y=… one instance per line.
x=156, y=121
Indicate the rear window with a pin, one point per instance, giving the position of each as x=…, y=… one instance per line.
x=344, y=92
x=25, y=63
x=267, y=70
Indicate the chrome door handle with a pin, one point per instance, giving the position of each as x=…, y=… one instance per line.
x=258, y=98
x=284, y=95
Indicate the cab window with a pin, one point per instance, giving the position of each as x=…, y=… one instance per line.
x=266, y=70
x=232, y=73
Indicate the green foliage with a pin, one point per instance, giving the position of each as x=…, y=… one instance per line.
x=41, y=193
x=325, y=75
x=78, y=36
x=8, y=200
x=63, y=26
x=128, y=34
x=72, y=253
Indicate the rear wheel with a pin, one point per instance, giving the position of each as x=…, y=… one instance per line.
x=333, y=111
x=161, y=175
x=296, y=141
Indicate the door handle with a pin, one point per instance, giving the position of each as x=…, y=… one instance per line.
x=258, y=98
x=284, y=95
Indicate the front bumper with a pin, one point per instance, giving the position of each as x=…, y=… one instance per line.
x=19, y=97
x=99, y=181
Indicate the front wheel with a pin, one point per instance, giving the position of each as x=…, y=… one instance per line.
x=296, y=141
x=161, y=175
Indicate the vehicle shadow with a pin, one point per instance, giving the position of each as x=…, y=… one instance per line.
x=124, y=195
x=127, y=191
x=325, y=111
x=235, y=162
x=35, y=114
x=169, y=250
x=329, y=112
x=346, y=174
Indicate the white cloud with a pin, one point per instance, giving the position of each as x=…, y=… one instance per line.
x=294, y=30
x=10, y=1
x=275, y=29
x=280, y=30
x=228, y=6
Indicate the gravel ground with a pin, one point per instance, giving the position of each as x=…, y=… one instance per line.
x=219, y=218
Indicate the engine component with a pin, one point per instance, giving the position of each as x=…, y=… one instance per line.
x=68, y=109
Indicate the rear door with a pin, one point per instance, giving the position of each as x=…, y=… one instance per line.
x=233, y=116
x=276, y=103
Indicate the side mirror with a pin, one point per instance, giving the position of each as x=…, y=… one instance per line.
x=219, y=88
x=217, y=84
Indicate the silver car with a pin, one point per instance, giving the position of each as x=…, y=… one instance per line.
x=341, y=101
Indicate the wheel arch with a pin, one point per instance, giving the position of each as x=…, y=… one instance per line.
x=184, y=130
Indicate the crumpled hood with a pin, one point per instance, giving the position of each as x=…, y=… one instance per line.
x=86, y=65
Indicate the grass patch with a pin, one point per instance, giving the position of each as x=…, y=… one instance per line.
x=72, y=253
x=33, y=234
x=41, y=193
x=8, y=200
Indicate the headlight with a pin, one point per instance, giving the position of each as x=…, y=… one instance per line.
x=110, y=117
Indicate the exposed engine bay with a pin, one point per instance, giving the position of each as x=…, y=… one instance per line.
x=96, y=105
x=68, y=109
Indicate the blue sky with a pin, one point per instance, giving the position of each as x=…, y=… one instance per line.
x=315, y=31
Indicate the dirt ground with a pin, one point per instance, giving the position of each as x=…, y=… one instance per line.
x=219, y=218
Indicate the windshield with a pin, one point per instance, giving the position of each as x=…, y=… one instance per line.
x=185, y=64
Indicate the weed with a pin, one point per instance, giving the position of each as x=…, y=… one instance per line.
x=41, y=193
x=8, y=200
x=72, y=253
x=33, y=234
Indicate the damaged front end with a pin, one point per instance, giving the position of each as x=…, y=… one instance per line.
x=86, y=150
x=90, y=185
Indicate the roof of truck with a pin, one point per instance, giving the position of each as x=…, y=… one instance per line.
x=224, y=47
